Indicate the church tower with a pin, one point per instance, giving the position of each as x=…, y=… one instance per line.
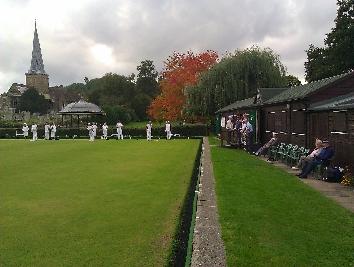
x=36, y=77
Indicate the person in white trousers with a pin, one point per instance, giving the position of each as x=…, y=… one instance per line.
x=25, y=130
x=46, y=131
x=34, y=132
x=94, y=130
x=90, y=130
x=168, y=130
x=148, y=131
x=105, y=130
x=53, y=130
x=119, y=130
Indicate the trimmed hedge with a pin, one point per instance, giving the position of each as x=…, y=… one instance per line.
x=183, y=131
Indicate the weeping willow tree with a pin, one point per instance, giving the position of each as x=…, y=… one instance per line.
x=237, y=76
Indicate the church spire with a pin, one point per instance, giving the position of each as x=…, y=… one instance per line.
x=37, y=65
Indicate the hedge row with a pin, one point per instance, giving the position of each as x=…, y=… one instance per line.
x=183, y=131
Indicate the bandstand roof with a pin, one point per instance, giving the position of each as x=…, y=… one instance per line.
x=81, y=107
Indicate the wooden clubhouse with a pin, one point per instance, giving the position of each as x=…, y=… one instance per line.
x=322, y=109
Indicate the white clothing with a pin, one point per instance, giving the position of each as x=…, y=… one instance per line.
x=34, y=132
x=222, y=122
x=119, y=130
x=229, y=124
x=90, y=129
x=94, y=130
x=53, y=131
x=25, y=130
x=105, y=131
x=46, y=131
x=247, y=127
x=148, y=131
x=168, y=131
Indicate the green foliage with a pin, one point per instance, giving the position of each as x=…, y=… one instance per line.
x=33, y=102
x=78, y=88
x=112, y=89
x=115, y=113
x=292, y=81
x=338, y=54
x=140, y=104
x=119, y=94
x=237, y=76
x=270, y=218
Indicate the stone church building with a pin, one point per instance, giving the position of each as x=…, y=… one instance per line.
x=36, y=78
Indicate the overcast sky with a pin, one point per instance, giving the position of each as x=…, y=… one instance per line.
x=92, y=37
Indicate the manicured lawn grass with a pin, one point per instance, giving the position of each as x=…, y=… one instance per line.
x=270, y=218
x=76, y=203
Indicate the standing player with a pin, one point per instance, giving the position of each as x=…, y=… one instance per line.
x=46, y=131
x=34, y=132
x=90, y=130
x=168, y=130
x=119, y=130
x=105, y=130
x=25, y=130
x=53, y=130
x=148, y=131
x=94, y=130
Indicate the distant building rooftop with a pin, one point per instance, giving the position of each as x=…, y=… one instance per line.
x=81, y=107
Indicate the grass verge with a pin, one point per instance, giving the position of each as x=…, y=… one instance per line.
x=270, y=218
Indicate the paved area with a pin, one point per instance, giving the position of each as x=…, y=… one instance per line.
x=208, y=247
x=343, y=195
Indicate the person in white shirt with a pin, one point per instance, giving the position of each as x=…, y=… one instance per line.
x=25, y=130
x=148, y=131
x=247, y=133
x=34, y=132
x=53, y=130
x=90, y=130
x=46, y=131
x=119, y=126
x=105, y=130
x=168, y=130
x=94, y=130
x=229, y=128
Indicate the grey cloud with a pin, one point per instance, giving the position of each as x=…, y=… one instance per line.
x=138, y=30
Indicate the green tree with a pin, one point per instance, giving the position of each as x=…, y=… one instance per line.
x=117, y=113
x=292, y=81
x=146, y=81
x=140, y=104
x=338, y=54
x=146, y=88
x=237, y=76
x=112, y=89
x=33, y=102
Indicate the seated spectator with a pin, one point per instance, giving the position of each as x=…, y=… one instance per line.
x=304, y=159
x=323, y=158
x=264, y=149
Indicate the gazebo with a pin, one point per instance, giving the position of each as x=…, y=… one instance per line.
x=79, y=109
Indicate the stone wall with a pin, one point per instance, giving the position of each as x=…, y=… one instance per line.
x=39, y=82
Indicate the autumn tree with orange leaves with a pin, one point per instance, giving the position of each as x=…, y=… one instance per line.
x=181, y=70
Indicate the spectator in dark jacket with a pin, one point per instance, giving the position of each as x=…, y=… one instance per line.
x=322, y=158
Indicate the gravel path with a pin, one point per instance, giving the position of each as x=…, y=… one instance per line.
x=208, y=247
